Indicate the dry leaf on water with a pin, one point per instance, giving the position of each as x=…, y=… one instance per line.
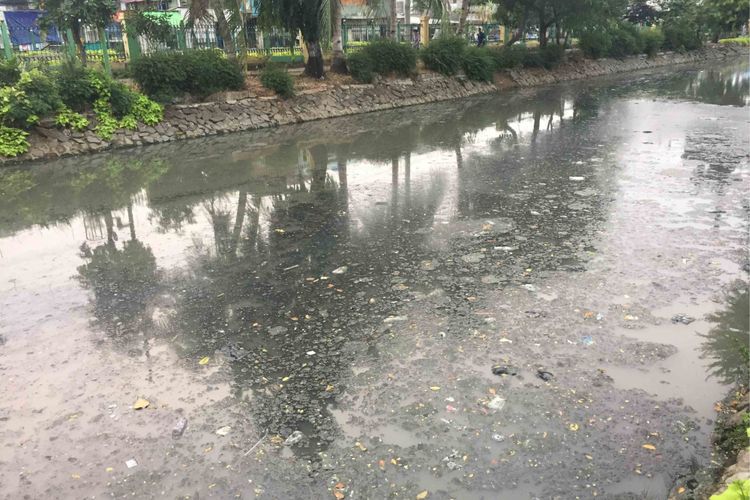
x=140, y=404
x=204, y=360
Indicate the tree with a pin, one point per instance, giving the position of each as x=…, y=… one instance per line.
x=217, y=10
x=75, y=14
x=338, y=60
x=298, y=15
x=643, y=12
x=725, y=17
x=392, y=19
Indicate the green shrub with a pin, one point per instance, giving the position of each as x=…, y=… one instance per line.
x=532, y=58
x=508, y=57
x=388, y=56
x=13, y=141
x=74, y=85
x=10, y=72
x=740, y=40
x=165, y=75
x=595, y=43
x=444, y=54
x=162, y=75
x=360, y=66
x=146, y=110
x=210, y=71
x=68, y=118
x=625, y=40
x=653, y=40
x=477, y=64
x=121, y=98
x=32, y=98
x=681, y=34
x=277, y=78
x=552, y=55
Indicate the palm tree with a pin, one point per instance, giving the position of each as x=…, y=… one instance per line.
x=298, y=16
x=338, y=61
x=228, y=25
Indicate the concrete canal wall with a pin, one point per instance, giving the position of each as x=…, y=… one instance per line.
x=238, y=112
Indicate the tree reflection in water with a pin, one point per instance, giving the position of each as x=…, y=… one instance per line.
x=726, y=345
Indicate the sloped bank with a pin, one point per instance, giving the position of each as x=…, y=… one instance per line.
x=249, y=113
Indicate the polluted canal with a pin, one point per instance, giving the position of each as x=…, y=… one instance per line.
x=526, y=295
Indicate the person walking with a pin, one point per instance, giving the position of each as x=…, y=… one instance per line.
x=481, y=38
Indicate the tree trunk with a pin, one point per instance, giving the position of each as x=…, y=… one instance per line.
x=407, y=16
x=520, y=29
x=543, y=35
x=314, y=65
x=392, y=19
x=79, y=43
x=239, y=220
x=225, y=32
x=131, y=222
x=338, y=61
x=462, y=18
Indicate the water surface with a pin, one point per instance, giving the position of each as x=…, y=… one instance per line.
x=356, y=280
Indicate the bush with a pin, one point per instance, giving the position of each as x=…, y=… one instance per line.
x=532, y=58
x=444, y=54
x=740, y=40
x=32, y=98
x=477, y=64
x=681, y=34
x=653, y=40
x=209, y=71
x=625, y=40
x=277, y=79
x=360, y=66
x=552, y=55
x=595, y=43
x=165, y=75
x=389, y=56
x=121, y=98
x=74, y=85
x=10, y=72
x=12, y=141
x=508, y=57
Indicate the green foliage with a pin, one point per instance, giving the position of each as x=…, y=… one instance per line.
x=277, y=78
x=653, y=40
x=154, y=26
x=13, y=141
x=626, y=40
x=74, y=85
x=740, y=40
x=552, y=55
x=146, y=111
x=389, y=56
x=10, y=72
x=725, y=17
x=683, y=25
x=477, y=64
x=68, y=118
x=121, y=98
x=360, y=66
x=595, y=43
x=165, y=75
x=444, y=54
x=508, y=57
x=681, y=34
x=33, y=97
x=737, y=490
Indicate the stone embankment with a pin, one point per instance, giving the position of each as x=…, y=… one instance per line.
x=241, y=112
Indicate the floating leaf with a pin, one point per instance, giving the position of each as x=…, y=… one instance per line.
x=223, y=431
x=381, y=464
x=573, y=427
x=140, y=404
x=649, y=446
x=435, y=388
x=360, y=446
x=339, y=495
x=680, y=490
x=204, y=361
x=422, y=495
